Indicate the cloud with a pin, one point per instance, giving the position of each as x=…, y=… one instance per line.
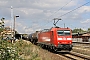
x=86, y=21
x=84, y=9
x=85, y=24
x=3, y=3
x=22, y=28
x=8, y=23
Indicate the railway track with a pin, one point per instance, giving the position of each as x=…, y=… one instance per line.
x=82, y=43
x=74, y=56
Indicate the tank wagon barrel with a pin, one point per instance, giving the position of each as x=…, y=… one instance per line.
x=33, y=37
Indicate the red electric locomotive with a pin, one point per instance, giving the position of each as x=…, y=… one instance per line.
x=56, y=38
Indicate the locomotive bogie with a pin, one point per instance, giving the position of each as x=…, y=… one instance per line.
x=64, y=47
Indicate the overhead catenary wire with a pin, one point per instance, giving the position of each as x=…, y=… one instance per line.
x=57, y=11
x=74, y=9
x=70, y=11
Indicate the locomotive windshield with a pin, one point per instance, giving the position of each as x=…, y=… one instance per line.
x=63, y=32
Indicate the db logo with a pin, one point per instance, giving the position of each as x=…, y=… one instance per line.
x=64, y=38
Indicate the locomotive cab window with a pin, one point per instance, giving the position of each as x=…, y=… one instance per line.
x=67, y=32
x=63, y=32
x=60, y=32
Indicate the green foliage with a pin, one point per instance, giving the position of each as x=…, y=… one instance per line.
x=77, y=30
x=1, y=29
x=7, y=52
x=18, y=51
x=2, y=22
x=26, y=50
x=2, y=25
x=88, y=29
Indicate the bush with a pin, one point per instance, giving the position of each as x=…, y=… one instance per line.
x=19, y=50
x=8, y=52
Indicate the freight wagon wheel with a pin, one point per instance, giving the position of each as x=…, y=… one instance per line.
x=53, y=49
x=34, y=41
x=42, y=45
x=31, y=40
x=48, y=48
x=70, y=49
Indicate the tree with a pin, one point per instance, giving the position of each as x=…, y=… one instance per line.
x=2, y=26
x=88, y=29
x=2, y=22
x=77, y=30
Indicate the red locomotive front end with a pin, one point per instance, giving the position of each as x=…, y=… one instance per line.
x=63, y=40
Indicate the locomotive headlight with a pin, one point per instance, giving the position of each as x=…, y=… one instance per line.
x=60, y=39
x=69, y=38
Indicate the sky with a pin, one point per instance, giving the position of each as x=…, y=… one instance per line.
x=37, y=15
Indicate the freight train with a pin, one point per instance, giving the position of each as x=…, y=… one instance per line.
x=55, y=39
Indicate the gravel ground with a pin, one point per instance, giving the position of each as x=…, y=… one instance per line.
x=50, y=56
x=81, y=50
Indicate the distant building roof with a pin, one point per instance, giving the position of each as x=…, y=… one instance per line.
x=88, y=34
